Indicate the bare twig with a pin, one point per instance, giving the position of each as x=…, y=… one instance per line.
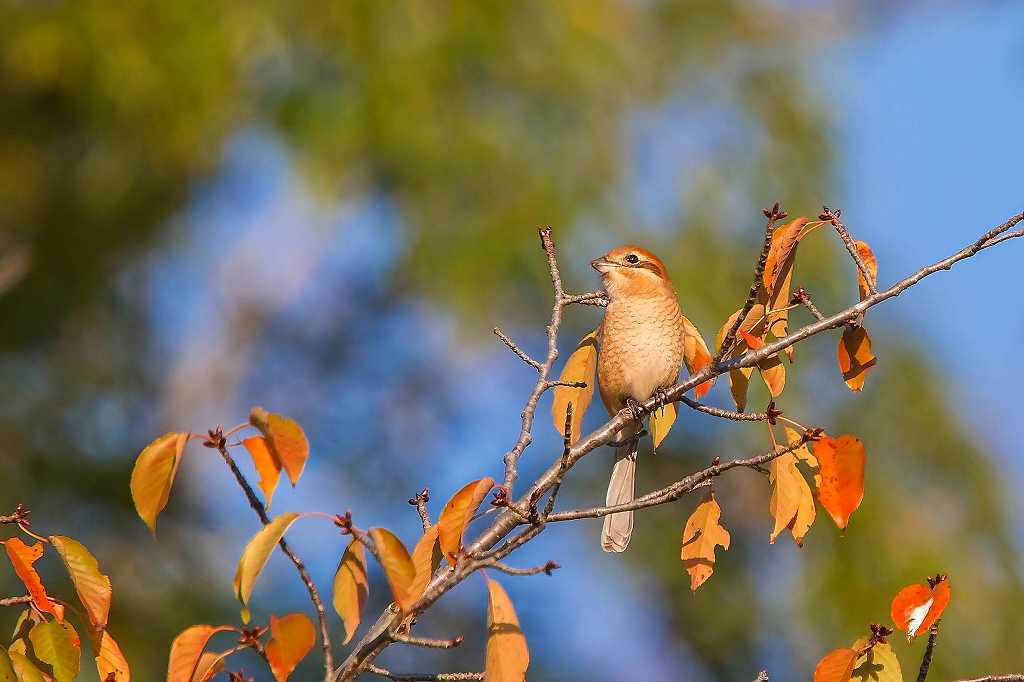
x=803, y=298
x=926, y=661
x=762, y=676
x=1013, y=677
x=724, y=414
x=429, y=643
x=570, y=384
x=420, y=502
x=546, y=568
x=14, y=601
x=566, y=444
x=516, y=349
x=439, y=677
x=598, y=298
x=19, y=516
x=833, y=217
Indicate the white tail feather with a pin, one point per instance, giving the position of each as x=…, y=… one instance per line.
x=619, y=526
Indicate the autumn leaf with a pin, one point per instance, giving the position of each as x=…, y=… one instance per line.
x=351, y=587
x=701, y=535
x=840, y=476
x=210, y=664
x=111, y=661
x=398, y=567
x=855, y=356
x=660, y=423
x=22, y=557
x=778, y=277
x=57, y=645
x=153, y=476
x=7, y=673
x=426, y=556
x=877, y=664
x=507, y=657
x=24, y=668
x=255, y=556
x=93, y=587
x=268, y=468
x=836, y=666
x=292, y=637
x=868, y=257
x=791, y=503
x=457, y=513
x=773, y=373
x=802, y=453
x=753, y=324
x=186, y=650
x=285, y=439
x=916, y=607
x=696, y=355
x=581, y=366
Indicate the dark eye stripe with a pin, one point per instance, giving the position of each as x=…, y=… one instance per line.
x=649, y=266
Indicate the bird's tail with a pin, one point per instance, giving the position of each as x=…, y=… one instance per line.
x=619, y=526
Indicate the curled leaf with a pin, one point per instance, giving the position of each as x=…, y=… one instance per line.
x=351, y=587
x=267, y=466
x=868, y=257
x=916, y=607
x=93, y=587
x=292, y=637
x=696, y=355
x=285, y=439
x=581, y=366
x=257, y=551
x=841, y=476
x=153, y=475
x=854, y=356
x=110, y=661
x=836, y=666
x=398, y=567
x=426, y=557
x=507, y=657
x=457, y=513
x=791, y=503
x=701, y=535
x=186, y=650
x=22, y=558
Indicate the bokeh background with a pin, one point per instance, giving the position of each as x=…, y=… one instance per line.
x=323, y=208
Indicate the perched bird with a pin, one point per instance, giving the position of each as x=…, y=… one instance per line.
x=640, y=351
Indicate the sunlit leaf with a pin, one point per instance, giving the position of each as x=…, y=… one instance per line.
x=351, y=587
x=24, y=668
x=802, y=453
x=285, y=439
x=791, y=503
x=701, y=535
x=22, y=557
x=581, y=366
x=916, y=607
x=93, y=587
x=739, y=379
x=840, y=476
x=836, y=666
x=868, y=257
x=457, y=513
x=696, y=355
x=210, y=664
x=256, y=553
x=57, y=645
x=778, y=277
x=111, y=661
x=398, y=568
x=268, y=468
x=7, y=673
x=854, y=356
x=507, y=657
x=187, y=649
x=426, y=557
x=660, y=423
x=877, y=664
x=153, y=475
x=773, y=372
x=292, y=637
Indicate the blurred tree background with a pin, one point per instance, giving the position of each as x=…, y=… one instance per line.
x=325, y=207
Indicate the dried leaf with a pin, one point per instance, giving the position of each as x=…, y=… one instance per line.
x=285, y=439
x=802, y=453
x=110, y=661
x=22, y=557
x=398, y=568
x=57, y=645
x=855, y=356
x=507, y=656
x=581, y=366
x=778, y=276
x=351, y=587
x=791, y=503
x=739, y=379
x=254, y=556
x=701, y=535
x=267, y=466
x=696, y=355
x=292, y=637
x=186, y=650
x=457, y=513
x=210, y=664
x=24, y=668
x=153, y=475
x=773, y=372
x=916, y=607
x=868, y=257
x=841, y=476
x=7, y=673
x=836, y=666
x=878, y=664
x=93, y=587
x=660, y=423
x=426, y=557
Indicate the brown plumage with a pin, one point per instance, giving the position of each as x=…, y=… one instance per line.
x=640, y=351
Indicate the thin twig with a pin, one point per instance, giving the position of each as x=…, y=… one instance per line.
x=516, y=349
x=926, y=661
x=569, y=384
x=546, y=568
x=1012, y=677
x=724, y=414
x=439, y=677
x=762, y=676
x=803, y=298
x=429, y=643
x=598, y=298
x=566, y=445
x=833, y=217
x=420, y=502
x=13, y=601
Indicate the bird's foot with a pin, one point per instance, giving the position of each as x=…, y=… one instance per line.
x=660, y=398
x=636, y=410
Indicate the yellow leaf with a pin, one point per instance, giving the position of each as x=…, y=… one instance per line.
x=426, y=556
x=836, y=666
x=57, y=645
x=398, y=568
x=110, y=660
x=285, y=439
x=660, y=423
x=351, y=587
x=773, y=372
x=186, y=650
x=24, y=668
x=93, y=587
x=802, y=453
x=22, y=558
x=855, y=357
x=292, y=637
x=256, y=553
x=153, y=475
x=457, y=513
x=868, y=257
x=791, y=503
x=507, y=657
x=268, y=468
x=696, y=355
x=879, y=664
x=581, y=366
x=6, y=667
x=701, y=535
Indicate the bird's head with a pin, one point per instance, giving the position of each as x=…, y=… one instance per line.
x=632, y=271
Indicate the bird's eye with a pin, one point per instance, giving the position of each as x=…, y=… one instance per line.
x=632, y=259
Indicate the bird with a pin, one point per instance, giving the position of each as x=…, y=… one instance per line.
x=640, y=352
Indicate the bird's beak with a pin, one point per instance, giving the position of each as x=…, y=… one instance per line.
x=602, y=264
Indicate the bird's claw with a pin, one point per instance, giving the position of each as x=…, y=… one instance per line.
x=636, y=410
x=660, y=398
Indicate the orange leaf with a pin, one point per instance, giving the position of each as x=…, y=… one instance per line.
x=292, y=637
x=110, y=660
x=351, y=587
x=841, y=476
x=186, y=650
x=868, y=257
x=93, y=587
x=701, y=535
x=696, y=355
x=285, y=439
x=268, y=468
x=457, y=513
x=752, y=341
x=426, y=556
x=581, y=366
x=784, y=242
x=916, y=607
x=836, y=666
x=22, y=557
x=855, y=356
x=210, y=664
x=791, y=503
x=398, y=568
x=153, y=475
x=507, y=657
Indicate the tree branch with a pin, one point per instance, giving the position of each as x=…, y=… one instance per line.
x=14, y=601
x=546, y=568
x=439, y=677
x=429, y=643
x=724, y=414
x=516, y=349
x=926, y=661
x=420, y=502
x=833, y=217
x=597, y=298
